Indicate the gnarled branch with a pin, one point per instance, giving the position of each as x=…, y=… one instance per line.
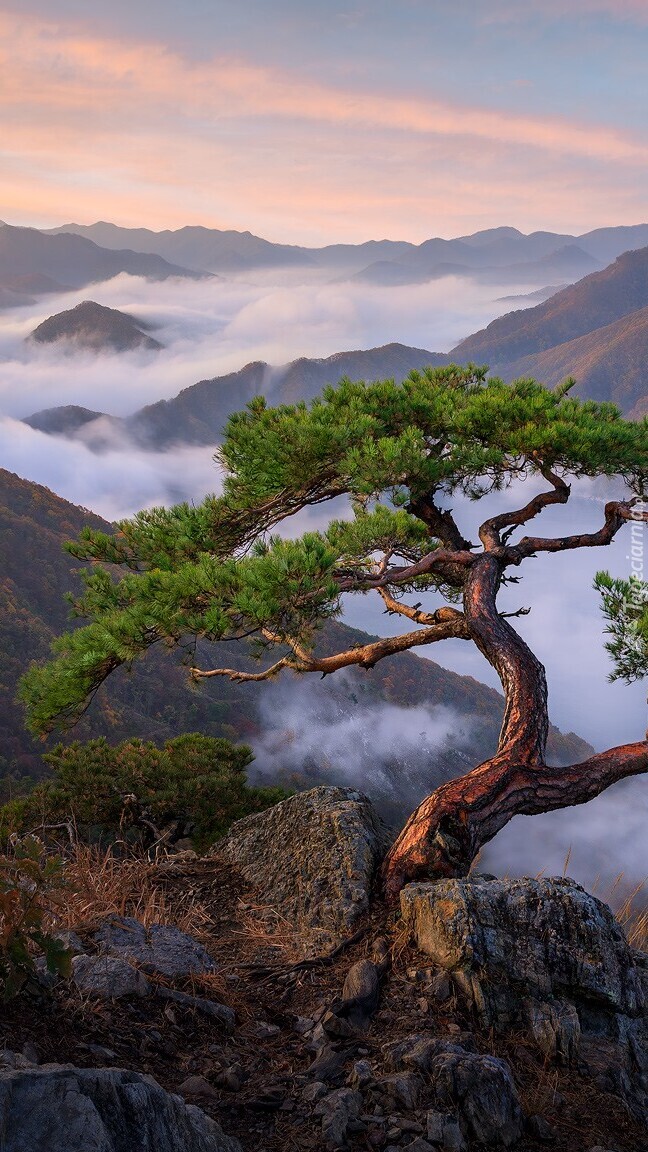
x=617, y=513
x=490, y=530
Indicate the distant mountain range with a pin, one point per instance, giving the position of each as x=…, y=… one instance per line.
x=496, y=255
x=198, y=414
x=595, y=330
x=156, y=702
x=33, y=263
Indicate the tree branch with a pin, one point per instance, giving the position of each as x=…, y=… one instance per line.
x=617, y=512
x=397, y=607
x=441, y=523
x=449, y=623
x=489, y=533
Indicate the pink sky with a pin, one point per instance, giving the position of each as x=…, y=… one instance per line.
x=97, y=125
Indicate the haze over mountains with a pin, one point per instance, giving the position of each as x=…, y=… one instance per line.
x=32, y=263
x=595, y=330
x=92, y=326
x=496, y=255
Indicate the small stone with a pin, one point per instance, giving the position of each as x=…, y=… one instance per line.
x=303, y=1024
x=361, y=1074
x=441, y=987
x=221, y=1012
x=311, y=1093
x=197, y=1086
x=419, y=1145
x=233, y=1078
x=423, y=1005
x=263, y=1031
x=337, y=1110
x=453, y=1028
x=108, y=977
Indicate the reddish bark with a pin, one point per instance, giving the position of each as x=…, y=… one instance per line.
x=445, y=833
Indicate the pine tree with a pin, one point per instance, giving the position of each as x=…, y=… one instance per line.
x=399, y=453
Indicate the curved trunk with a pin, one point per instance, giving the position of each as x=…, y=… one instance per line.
x=447, y=830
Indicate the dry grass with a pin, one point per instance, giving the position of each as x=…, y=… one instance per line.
x=99, y=884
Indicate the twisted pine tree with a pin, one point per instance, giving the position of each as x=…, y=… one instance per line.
x=398, y=452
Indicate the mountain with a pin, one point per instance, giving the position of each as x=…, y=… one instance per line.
x=608, y=364
x=156, y=702
x=494, y=255
x=93, y=327
x=198, y=414
x=203, y=249
x=595, y=330
x=68, y=261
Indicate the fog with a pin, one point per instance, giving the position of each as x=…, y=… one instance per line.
x=213, y=327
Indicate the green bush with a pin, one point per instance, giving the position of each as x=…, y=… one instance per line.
x=135, y=789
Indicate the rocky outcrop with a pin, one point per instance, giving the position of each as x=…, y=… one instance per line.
x=311, y=860
x=59, y=1108
x=547, y=956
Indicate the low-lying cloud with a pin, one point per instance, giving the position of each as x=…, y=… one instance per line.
x=114, y=483
x=213, y=327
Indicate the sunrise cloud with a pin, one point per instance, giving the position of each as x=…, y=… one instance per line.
x=219, y=133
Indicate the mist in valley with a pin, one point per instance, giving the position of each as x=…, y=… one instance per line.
x=213, y=327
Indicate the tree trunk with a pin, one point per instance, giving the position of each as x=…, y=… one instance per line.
x=445, y=833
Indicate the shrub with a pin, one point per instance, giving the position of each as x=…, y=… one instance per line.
x=197, y=784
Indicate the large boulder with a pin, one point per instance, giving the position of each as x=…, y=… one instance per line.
x=546, y=956
x=311, y=859
x=59, y=1108
x=505, y=940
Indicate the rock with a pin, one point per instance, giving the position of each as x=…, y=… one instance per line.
x=444, y=1132
x=417, y=1052
x=232, y=1078
x=199, y=1087
x=311, y=859
x=311, y=1093
x=362, y=1074
x=555, y=1027
x=221, y=1012
x=360, y=993
x=337, y=1110
x=506, y=939
x=160, y=949
x=546, y=955
x=480, y=1091
x=401, y=1089
x=328, y=1065
x=440, y=987
x=108, y=977
x=59, y=1108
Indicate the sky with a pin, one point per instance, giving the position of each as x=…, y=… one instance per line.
x=317, y=122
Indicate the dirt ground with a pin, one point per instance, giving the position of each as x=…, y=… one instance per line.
x=252, y=1079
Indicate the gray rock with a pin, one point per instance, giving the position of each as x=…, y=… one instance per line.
x=108, y=977
x=311, y=859
x=417, y=1052
x=221, y=1012
x=401, y=1089
x=503, y=939
x=444, y=1132
x=160, y=949
x=546, y=955
x=555, y=1027
x=362, y=1074
x=59, y=1108
x=361, y=993
x=337, y=1110
x=480, y=1091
